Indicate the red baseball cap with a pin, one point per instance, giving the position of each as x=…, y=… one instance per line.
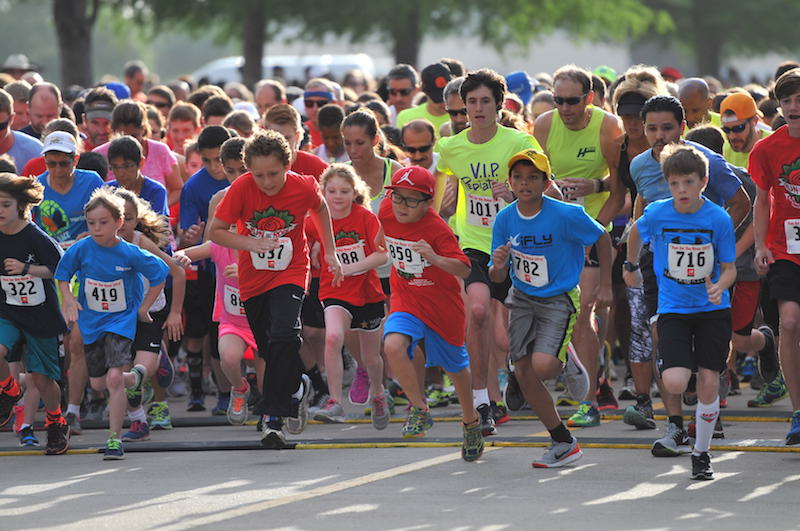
x=414, y=178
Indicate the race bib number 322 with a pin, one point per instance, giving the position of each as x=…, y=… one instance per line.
x=23, y=290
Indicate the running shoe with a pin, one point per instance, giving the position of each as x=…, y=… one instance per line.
x=139, y=431
x=605, y=396
x=487, y=420
x=114, y=451
x=7, y=406
x=719, y=432
x=675, y=442
x=771, y=393
x=272, y=435
x=318, y=401
x=332, y=412
x=74, y=424
x=640, y=415
x=748, y=369
x=768, y=364
x=359, y=389
x=196, y=402
x=564, y=400
x=57, y=438
x=389, y=401
x=237, y=407
x=513, y=397
x=586, y=416
x=380, y=412
x=793, y=437
x=735, y=389
x=575, y=375
x=436, y=397
x=166, y=371
x=417, y=423
x=19, y=417
x=178, y=387
x=472, y=447
x=148, y=393
x=96, y=409
x=701, y=467
x=500, y=413
x=628, y=391
x=223, y=401
x=27, y=438
x=559, y=454
x=690, y=398
x=397, y=393
x=296, y=425
x=159, y=416
x=134, y=396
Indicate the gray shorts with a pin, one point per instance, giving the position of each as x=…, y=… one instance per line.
x=111, y=350
x=537, y=324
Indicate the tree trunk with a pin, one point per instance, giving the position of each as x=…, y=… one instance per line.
x=74, y=32
x=254, y=28
x=708, y=55
x=407, y=37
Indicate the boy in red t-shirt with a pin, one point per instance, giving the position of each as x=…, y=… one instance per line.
x=774, y=165
x=426, y=303
x=269, y=205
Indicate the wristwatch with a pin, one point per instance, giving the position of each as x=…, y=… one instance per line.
x=629, y=267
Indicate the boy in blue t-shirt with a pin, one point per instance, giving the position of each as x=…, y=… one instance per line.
x=694, y=252
x=110, y=299
x=542, y=242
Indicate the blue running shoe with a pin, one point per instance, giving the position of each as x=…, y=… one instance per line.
x=27, y=438
x=114, y=451
x=139, y=431
x=793, y=437
x=165, y=372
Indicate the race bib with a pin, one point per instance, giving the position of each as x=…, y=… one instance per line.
x=160, y=302
x=792, y=229
x=690, y=264
x=106, y=297
x=234, y=304
x=23, y=290
x=351, y=254
x=530, y=269
x=404, y=258
x=277, y=259
x=482, y=210
x=569, y=194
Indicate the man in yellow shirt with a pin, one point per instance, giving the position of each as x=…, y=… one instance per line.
x=696, y=100
x=740, y=123
x=434, y=78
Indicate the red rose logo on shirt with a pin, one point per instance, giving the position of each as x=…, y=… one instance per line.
x=275, y=222
x=346, y=238
x=790, y=180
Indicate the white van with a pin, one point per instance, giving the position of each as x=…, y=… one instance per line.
x=295, y=68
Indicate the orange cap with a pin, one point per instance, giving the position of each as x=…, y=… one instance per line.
x=738, y=106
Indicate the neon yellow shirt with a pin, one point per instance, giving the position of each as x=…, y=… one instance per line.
x=740, y=159
x=477, y=166
x=421, y=111
x=578, y=155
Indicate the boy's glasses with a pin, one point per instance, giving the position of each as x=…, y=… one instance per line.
x=735, y=129
x=421, y=149
x=410, y=202
x=400, y=92
x=456, y=112
x=122, y=167
x=315, y=103
x=568, y=101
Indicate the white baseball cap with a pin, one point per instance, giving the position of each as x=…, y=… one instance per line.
x=59, y=141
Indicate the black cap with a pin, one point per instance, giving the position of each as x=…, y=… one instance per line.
x=630, y=104
x=434, y=79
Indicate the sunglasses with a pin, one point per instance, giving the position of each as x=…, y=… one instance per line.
x=315, y=103
x=569, y=101
x=457, y=112
x=735, y=129
x=401, y=92
x=421, y=149
x=410, y=202
x=59, y=163
x=158, y=104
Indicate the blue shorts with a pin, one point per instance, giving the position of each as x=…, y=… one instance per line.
x=438, y=352
x=41, y=354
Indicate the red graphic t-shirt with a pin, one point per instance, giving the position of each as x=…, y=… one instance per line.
x=774, y=165
x=418, y=288
x=355, y=240
x=281, y=217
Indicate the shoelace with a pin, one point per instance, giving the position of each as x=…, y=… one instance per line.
x=238, y=404
x=379, y=406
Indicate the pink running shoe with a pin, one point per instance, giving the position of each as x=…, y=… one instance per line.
x=359, y=389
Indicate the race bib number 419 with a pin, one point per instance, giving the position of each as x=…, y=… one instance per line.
x=690, y=264
x=105, y=297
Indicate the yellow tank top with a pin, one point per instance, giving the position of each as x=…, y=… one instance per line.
x=577, y=154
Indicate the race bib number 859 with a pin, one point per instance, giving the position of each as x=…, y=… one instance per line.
x=404, y=258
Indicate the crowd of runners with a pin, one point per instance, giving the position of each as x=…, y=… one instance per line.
x=443, y=236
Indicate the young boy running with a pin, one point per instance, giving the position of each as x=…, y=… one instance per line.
x=694, y=253
x=110, y=299
x=426, y=303
x=29, y=306
x=541, y=240
x=269, y=204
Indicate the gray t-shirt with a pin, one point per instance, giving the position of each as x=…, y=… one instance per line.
x=24, y=149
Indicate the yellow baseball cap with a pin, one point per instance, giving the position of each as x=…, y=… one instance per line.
x=538, y=159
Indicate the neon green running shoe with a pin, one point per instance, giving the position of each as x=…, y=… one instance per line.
x=586, y=416
x=417, y=423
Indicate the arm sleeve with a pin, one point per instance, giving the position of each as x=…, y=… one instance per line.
x=48, y=251
x=724, y=182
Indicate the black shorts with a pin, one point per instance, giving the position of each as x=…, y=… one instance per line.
x=616, y=267
x=479, y=272
x=149, y=335
x=784, y=281
x=386, y=286
x=367, y=317
x=311, y=314
x=198, y=305
x=694, y=340
x=15, y=353
x=649, y=282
